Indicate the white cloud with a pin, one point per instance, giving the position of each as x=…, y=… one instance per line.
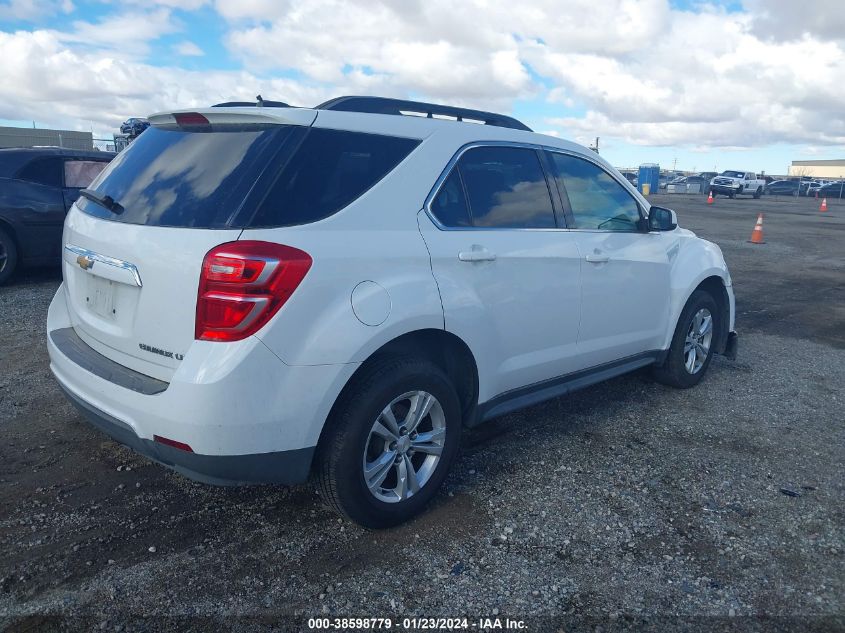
x=252, y=9
x=694, y=88
x=80, y=88
x=188, y=49
x=184, y=5
x=432, y=49
x=639, y=70
x=651, y=74
x=33, y=10
x=788, y=19
x=129, y=32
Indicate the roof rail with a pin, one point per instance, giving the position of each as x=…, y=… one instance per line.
x=384, y=105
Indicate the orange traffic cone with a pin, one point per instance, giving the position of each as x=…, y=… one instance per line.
x=710, y=198
x=757, y=233
x=824, y=205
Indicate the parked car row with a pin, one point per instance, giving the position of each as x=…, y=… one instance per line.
x=797, y=188
x=835, y=190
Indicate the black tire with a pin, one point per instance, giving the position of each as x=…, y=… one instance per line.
x=732, y=195
x=8, y=256
x=794, y=194
x=758, y=193
x=673, y=371
x=342, y=447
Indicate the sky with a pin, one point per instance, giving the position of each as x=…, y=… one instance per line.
x=696, y=86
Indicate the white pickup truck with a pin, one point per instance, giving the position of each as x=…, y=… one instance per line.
x=732, y=183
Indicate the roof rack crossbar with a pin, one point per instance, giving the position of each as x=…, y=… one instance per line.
x=384, y=105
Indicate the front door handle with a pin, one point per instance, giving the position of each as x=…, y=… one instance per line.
x=596, y=258
x=477, y=254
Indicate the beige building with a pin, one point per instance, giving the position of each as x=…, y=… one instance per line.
x=818, y=168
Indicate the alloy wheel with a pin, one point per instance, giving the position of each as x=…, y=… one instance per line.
x=699, y=338
x=404, y=446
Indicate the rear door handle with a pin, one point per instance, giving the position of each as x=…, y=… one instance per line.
x=477, y=255
x=595, y=258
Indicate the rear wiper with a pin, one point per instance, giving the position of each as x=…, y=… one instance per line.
x=104, y=201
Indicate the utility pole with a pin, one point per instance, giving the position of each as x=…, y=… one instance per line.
x=595, y=147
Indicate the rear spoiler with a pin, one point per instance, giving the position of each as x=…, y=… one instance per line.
x=209, y=118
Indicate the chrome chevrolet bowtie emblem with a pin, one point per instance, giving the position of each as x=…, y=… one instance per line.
x=85, y=262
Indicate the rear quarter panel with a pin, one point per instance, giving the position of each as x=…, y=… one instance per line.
x=375, y=239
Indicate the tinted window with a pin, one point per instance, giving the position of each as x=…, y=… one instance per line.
x=44, y=171
x=506, y=188
x=450, y=205
x=185, y=179
x=81, y=173
x=328, y=171
x=597, y=200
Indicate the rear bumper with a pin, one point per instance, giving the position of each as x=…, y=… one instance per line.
x=247, y=416
x=282, y=467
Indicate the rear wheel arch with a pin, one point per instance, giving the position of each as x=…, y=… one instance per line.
x=431, y=360
x=446, y=350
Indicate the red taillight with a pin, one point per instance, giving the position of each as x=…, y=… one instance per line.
x=186, y=119
x=243, y=284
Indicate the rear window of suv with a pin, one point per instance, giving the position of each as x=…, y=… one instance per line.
x=326, y=173
x=245, y=177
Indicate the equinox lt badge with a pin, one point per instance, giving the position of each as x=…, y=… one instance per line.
x=161, y=352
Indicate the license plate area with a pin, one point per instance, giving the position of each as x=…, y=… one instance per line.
x=100, y=297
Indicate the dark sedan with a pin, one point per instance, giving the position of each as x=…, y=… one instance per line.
x=784, y=188
x=37, y=188
x=832, y=190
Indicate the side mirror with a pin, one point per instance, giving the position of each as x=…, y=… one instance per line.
x=662, y=219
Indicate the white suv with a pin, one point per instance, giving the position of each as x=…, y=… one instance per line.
x=253, y=294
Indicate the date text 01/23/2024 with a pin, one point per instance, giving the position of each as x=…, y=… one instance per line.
x=417, y=624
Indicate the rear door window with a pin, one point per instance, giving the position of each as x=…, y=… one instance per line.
x=506, y=188
x=44, y=171
x=450, y=205
x=81, y=173
x=329, y=170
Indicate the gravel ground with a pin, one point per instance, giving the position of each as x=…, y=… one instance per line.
x=628, y=505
